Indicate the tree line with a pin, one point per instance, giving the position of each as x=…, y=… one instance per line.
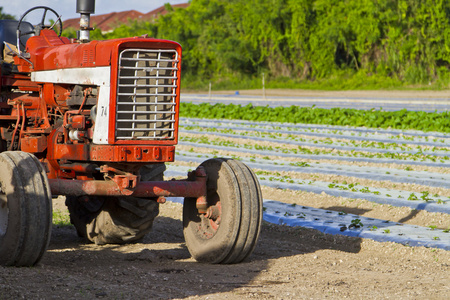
x=306, y=40
x=408, y=40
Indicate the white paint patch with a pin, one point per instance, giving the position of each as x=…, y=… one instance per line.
x=87, y=76
x=101, y=77
x=102, y=119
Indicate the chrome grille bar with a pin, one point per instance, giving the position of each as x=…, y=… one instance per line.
x=139, y=95
x=146, y=94
x=167, y=85
x=143, y=130
x=144, y=69
x=137, y=121
x=149, y=59
x=142, y=112
x=149, y=77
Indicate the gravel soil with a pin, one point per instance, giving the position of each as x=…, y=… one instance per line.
x=288, y=263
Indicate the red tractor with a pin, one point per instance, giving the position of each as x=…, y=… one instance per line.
x=96, y=121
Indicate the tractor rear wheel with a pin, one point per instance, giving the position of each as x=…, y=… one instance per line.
x=25, y=209
x=116, y=220
x=228, y=232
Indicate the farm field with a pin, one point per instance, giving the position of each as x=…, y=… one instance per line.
x=388, y=100
x=380, y=177
x=367, y=201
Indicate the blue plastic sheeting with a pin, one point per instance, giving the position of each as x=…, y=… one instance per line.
x=394, y=175
x=323, y=128
x=321, y=156
x=332, y=222
x=319, y=187
x=417, y=204
x=343, y=134
x=326, y=146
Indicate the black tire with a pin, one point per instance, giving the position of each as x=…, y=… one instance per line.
x=3, y=146
x=230, y=234
x=116, y=220
x=25, y=209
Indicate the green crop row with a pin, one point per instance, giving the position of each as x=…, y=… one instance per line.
x=313, y=151
x=327, y=141
x=403, y=119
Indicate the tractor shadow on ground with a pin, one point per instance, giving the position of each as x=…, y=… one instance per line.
x=166, y=240
x=164, y=256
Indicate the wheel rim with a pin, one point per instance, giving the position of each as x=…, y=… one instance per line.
x=3, y=211
x=210, y=222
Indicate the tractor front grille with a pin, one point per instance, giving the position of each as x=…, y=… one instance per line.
x=146, y=94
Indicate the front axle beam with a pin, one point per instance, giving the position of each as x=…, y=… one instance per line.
x=194, y=187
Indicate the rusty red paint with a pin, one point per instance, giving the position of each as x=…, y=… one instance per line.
x=195, y=187
x=34, y=144
x=116, y=153
x=149, y=189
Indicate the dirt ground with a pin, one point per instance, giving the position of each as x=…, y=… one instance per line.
x=412, y=94
x=288, y=263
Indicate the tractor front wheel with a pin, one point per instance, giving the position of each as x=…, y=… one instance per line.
x=228, y=231
x=25, y=209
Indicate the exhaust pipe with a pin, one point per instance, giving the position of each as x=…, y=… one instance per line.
x=85, y=8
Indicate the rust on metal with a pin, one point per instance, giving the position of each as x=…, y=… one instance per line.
x=174, y=188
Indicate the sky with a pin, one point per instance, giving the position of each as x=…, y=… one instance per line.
x=67, y=8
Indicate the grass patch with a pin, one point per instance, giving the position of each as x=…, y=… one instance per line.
x=340, y=80
x=61, y=218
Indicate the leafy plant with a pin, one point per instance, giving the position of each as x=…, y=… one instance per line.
x=356, y=223
x=413, y=197
x=373, y=228
x=425, y=195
